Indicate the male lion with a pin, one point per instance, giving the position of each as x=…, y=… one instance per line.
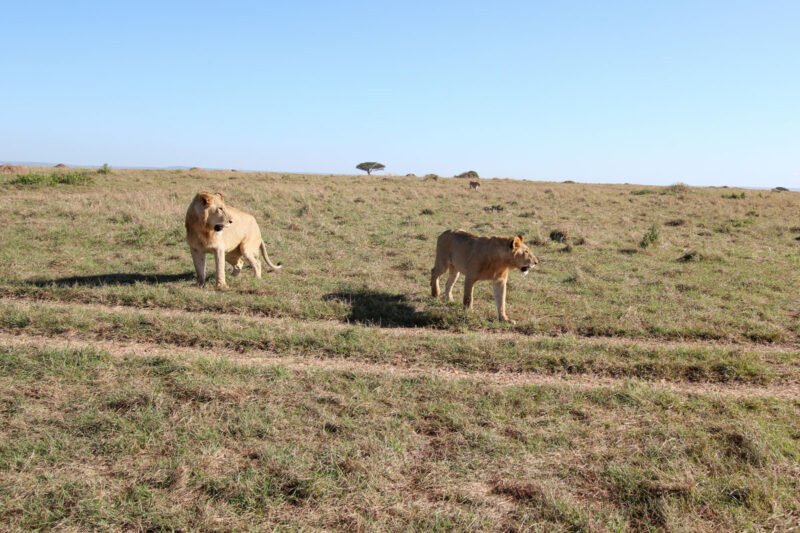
x=229, y=234
x=479, y=258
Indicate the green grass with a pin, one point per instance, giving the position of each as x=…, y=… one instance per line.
x=467, y=351
x=94, y=441
x=68, y=178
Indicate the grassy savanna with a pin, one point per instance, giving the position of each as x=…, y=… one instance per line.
x=721, y=269
x=649, y=384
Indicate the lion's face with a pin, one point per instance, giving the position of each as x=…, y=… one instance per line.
x=523, y=257
x=217, y=214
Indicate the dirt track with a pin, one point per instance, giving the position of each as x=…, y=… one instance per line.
x=261, y=357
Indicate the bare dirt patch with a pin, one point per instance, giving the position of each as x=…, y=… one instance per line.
x=12, y=169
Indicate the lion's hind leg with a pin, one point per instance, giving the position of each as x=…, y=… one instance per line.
x=234, y=258
x=451, y=280
x=436, y=272
x=252, y=258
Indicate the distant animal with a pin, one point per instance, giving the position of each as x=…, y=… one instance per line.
x=496, y=208
x=479, y=258
x=474, y=185
x=231, y=235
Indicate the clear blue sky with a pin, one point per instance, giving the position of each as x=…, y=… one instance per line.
x=645, y=92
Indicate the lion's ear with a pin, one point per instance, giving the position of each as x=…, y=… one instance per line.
x=516, y=242
x=220, y=196
x=521, y=239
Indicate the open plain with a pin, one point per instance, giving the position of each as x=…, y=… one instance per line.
x=651, y=383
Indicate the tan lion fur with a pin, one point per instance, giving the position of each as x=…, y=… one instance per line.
x=479, y=258
x=228, y=233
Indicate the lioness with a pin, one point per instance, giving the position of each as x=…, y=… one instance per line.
x=479, y=258
x=231, y=235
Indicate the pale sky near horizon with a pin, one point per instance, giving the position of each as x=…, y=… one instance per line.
x=701, y=92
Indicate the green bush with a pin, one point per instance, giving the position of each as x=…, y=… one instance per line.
x=559, y=235
x=30, y=179
x=71, y=178
x=471, y=174
x=650, y=237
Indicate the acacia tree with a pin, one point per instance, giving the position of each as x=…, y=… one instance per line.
x=369, y=166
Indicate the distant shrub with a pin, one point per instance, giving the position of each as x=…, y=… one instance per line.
x=426, y=211
x=471, y=174
x=559, y=235
x=675, y=222
x=71, y=178
x=430, y=177
x=734, y=196
x=780, y=189
x=794, y=229
x=650, y=237
x=494, y=208
x=568, y=181
x=105, y=169
x=676, y=188
x=30, y=179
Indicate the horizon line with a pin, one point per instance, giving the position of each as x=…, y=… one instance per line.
x=568, y=180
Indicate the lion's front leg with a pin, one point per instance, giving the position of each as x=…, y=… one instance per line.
x=199, y=259
x=219, y=256
x=500, y=299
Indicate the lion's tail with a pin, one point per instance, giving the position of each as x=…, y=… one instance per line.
x=266, y=257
